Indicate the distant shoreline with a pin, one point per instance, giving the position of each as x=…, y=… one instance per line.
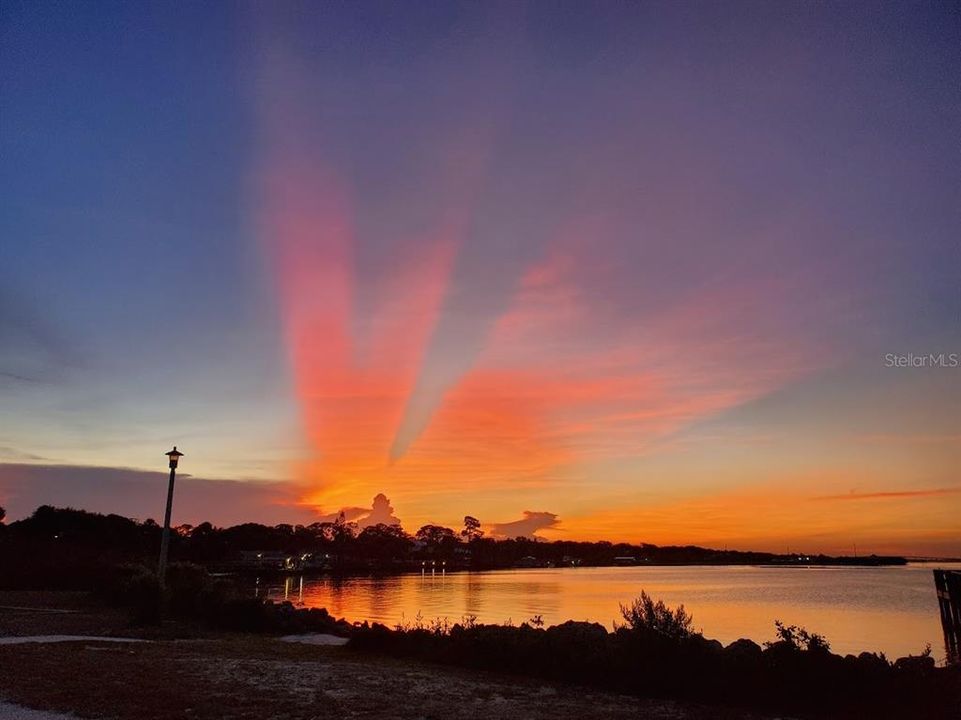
x=73, y=548
x=387, y=572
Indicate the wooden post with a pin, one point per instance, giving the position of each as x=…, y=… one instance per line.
x=947, y=583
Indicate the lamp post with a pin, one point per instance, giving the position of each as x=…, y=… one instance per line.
x=165, y=538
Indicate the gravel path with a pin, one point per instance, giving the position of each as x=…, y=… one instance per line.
x=21, y=639
x=9, y=711
x=316, y=639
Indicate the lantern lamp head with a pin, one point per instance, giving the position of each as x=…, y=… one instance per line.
x=174, y=456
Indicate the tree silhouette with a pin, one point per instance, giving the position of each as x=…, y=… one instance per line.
x=3, y=514
x=76, y=549
x=433, y=535
x=439, y=541
x=471, y=529
x=203, y=530
x=384, y=542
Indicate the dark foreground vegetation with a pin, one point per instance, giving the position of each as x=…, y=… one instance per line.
x=656, y=654
x=74, y=549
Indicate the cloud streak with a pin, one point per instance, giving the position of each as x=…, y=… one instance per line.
x=528, y=526
x=891, y=494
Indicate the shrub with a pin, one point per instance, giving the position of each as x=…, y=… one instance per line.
x=644, y=615
x=191, y=593
x=263, y=616
x=795, y=673
x=137, y=588
x=798, y=638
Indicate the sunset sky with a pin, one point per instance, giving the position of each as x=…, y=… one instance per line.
x=626, y=271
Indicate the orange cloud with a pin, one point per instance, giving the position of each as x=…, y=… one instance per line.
x=516, y=420
x=891, y=494
x=526, y=526
x=353, y=372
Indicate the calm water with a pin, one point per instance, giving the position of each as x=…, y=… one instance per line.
x=892, y=610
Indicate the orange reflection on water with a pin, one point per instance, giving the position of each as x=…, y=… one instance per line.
x=892, y=610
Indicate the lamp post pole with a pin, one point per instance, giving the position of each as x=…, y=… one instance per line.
x=165, y=538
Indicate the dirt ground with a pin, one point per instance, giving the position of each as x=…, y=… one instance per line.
x=60, y=613
x=233, y=677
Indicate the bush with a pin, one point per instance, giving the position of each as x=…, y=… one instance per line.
x=191, y=593
x=646, y=616
x=263, y=616
x=136, y=587
x=798, y=638
x=796, y=673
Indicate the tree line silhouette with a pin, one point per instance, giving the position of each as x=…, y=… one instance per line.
x=64, y=547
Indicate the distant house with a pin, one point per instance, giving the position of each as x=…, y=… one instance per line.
x=279, y=561
x=530, y=561
x=315, y=561
x=264, y=559
x=625, y=560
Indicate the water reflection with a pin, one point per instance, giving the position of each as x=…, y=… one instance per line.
x=289, y=584
x=893, y=610
x=473, y=594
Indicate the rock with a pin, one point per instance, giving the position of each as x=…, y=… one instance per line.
x=578, y=631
